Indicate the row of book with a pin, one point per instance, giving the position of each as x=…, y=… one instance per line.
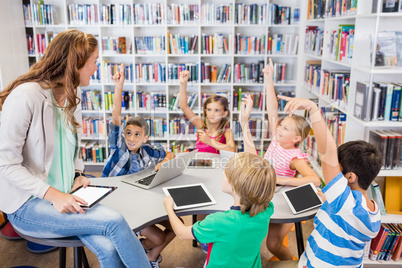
x=149, y=45
x=335, y=86
x=93, y=152
x=150, y=73
x=116, y=45
x=280, y=73
x=319, y=9
x=387, y=245
x=178, y=44
x=249, y=73
x=283, y=15
x=258, y=128
x=340, y=44
x=40, y=14
x=211, y=13
x=109, y=69
x=209, y=73
x=174, y=70
x=93, y=127
x=215, y=44
x=283, y=44
x=314, y=41
x=91, y=100
x=389, y=143
x=174, y=102
x=383, y=104
x=312, y=75
x=386, y=6
x=249, y=45
x=256, y=96
x=336, y=122
x=182, y=126
x=143, y=101
x=149, y=13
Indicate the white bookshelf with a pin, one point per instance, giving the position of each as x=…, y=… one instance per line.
x=131, y=31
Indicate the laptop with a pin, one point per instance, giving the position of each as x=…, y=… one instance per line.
x=149, y=178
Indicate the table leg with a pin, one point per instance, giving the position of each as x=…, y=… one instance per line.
x=299, y=238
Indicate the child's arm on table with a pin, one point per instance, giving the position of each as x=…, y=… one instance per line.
x=304, y=169
x=195, y=119
x=183, y=232
x=245, y=111
x=326, y=145
x=118, y=79
x=271, y=99
x=169, y=156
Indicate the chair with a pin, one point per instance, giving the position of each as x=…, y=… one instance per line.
x=63, y=243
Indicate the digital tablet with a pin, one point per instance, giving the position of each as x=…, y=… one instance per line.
x=201, y=163
x=302, y=198
x=92, y=194
x=189, y=196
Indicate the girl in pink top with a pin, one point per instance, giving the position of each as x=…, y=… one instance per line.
x=283, y=153
x=213, y=132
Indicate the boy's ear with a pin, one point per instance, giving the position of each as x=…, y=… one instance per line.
x=146, y=138
x=351, y=177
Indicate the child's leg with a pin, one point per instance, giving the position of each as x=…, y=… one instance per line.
x=153, y=237
x=154, y=253
x=276, y=234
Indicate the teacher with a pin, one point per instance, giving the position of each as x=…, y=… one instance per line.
x=39, y=162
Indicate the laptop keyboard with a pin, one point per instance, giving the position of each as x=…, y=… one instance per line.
x=147, y=180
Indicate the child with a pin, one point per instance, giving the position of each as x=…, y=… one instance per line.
x=129, y=153
x=348, y=218
x=235, y=236
x=283, y=153
x=213, y=132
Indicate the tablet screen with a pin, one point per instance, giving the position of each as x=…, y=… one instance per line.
x=189, y=196
x=303, y=198
x=92, y=194
x=201, y=163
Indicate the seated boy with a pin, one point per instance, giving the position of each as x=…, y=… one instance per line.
x=129, y=153
x=348, y=218
x=235, y=236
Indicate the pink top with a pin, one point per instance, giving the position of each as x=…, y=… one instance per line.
x=280, y=158
x=202, y=147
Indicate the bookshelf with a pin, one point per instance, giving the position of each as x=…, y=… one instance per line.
x=361, y=68
x=132, y=27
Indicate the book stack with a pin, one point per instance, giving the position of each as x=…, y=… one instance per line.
x=150, y=45
x=174, y=102
x=210, y=73
x=174, y=70
x=215, y=44
x=181, y=14
x=149, y=14
x=314, y=40
x=249, y=45
x=116, y=45
x=92, y=152
x=283, y=15
x=283, y=44
x=216, y=13
x=157, y=127
x=109, y=69
x=150, y=73
x=93, y=127
x=312, y=75
x=256, y=96
x=83, y=14
x=336, y=122
x=40, y=14
x=335, y=86
x=108, y=14
x=178, y=44
x=91, y=100
x=251, y=14
x=249, y=73
x=389, y=143
x=340, y=47
x=280, y=73
x=387, y=244
x=181, y=125
x=319, y=9
x=383, y=104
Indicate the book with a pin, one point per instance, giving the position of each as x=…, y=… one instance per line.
x=395, y=103
x=377, y=242
x=398, y=250
x=390, y=5
x=362, y=108
x=378, y=197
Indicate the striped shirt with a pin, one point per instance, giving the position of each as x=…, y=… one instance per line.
x=280, y=158
x=122, y=161
x=342, y=227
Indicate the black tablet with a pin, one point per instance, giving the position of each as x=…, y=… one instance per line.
x=189, y=196
x=92, y=194
x=302, y=198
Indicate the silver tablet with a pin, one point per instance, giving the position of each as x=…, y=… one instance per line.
x=302, y=198
x=189, y=196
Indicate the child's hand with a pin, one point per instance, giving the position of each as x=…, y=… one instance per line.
x=168, y=202
x=203, y=136
x=184, y=75
x=321, y=195
x=269, y=70
x=158, y=166
x=298, y=104
x=118, y=78
x=245, y=109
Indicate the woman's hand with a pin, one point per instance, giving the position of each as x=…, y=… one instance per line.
x=118, y=78
x=81, y=180
x=184, y=76
x=64, y=203
x=245, y=109
x=298, y=104
x=203, y=136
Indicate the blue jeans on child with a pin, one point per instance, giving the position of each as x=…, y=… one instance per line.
x=102, y=229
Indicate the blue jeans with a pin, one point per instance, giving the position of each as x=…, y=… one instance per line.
x=102, y=229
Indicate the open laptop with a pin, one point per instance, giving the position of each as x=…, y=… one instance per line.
x=149, y=178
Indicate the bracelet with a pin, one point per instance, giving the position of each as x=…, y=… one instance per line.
x=77, y=174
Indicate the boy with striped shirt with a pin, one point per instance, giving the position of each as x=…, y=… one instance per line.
x=348, y=218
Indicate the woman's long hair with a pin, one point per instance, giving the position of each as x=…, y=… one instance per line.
x=59, y=67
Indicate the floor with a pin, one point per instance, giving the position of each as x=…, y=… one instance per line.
x=177, y=254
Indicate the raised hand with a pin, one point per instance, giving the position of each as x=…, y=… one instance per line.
x=184, y=76
x=269, y=70
x=118, y=77
x=298, y=104
x=245, y=109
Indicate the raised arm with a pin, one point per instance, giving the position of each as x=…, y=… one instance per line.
x=195, y=119
x=308, y=175
x=326, y=145
x=118, y=79
x=245, y=111
x=271, y=100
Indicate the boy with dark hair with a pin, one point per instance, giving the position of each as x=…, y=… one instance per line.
x=348, y=218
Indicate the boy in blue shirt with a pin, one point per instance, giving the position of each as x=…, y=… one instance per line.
x=128, y=154
x=348, y=218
